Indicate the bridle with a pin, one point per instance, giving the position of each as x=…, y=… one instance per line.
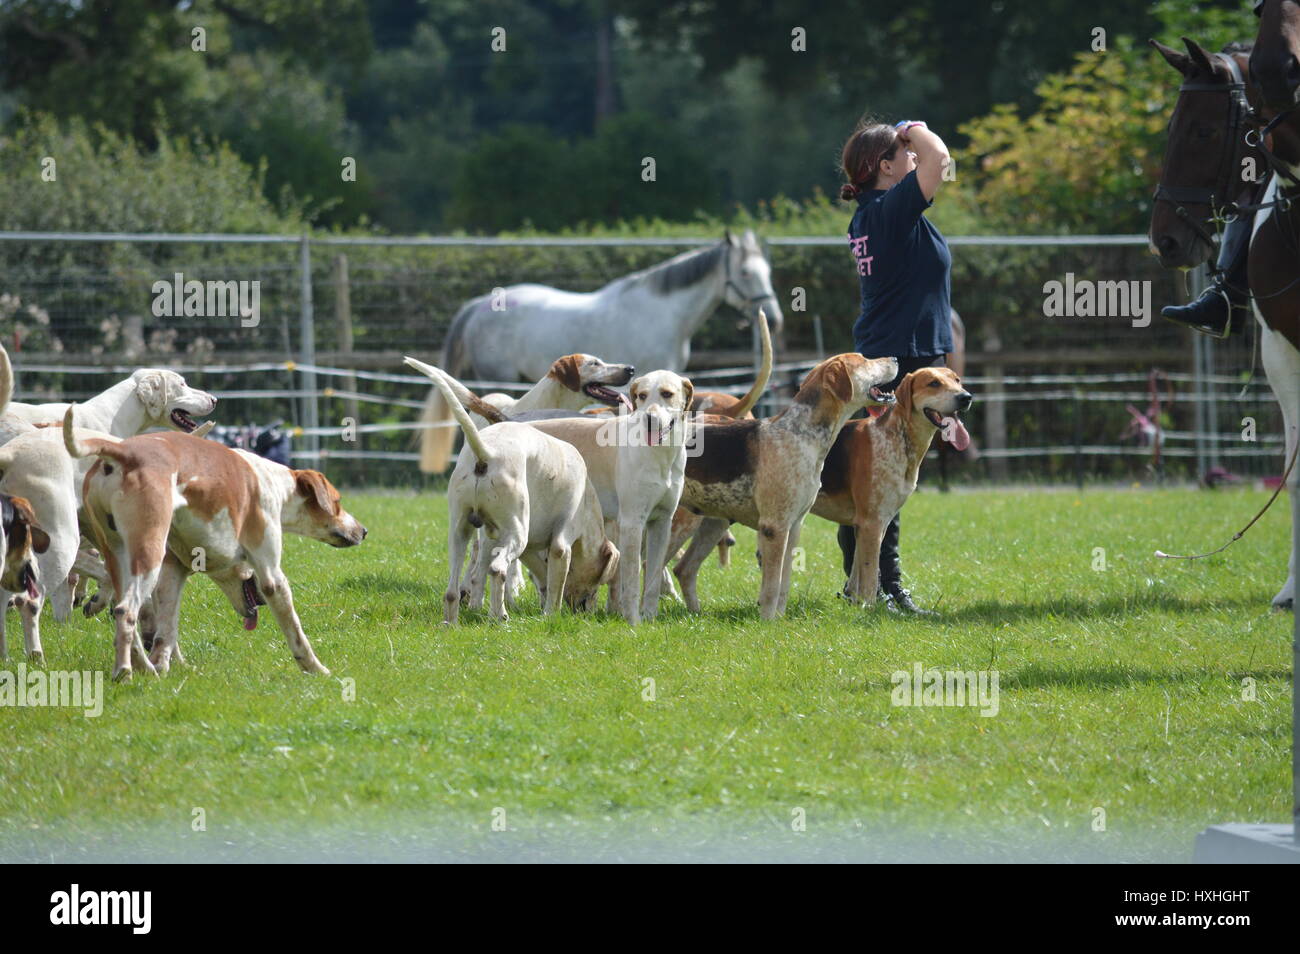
x=1236, y=146
x=730, y=284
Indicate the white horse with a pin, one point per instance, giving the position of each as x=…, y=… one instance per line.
x=645, y=319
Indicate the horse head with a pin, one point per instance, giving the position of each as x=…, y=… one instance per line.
x=1275, y=61
x=748, y=282
x=1204, y=162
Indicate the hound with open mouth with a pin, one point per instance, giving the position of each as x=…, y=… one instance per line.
x=766, y=473
x=872, y=467
x=156, y=501
x=149, y=398
x=572, y=383
x=21, y=539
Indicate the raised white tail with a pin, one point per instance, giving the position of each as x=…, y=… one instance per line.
x=458, y=411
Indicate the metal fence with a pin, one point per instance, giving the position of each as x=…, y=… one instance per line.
x=1055, y=396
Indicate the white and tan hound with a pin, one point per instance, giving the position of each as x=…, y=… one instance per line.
x=162, y=506
x=530, y=494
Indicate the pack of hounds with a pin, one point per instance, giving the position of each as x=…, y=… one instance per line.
x=125, y=489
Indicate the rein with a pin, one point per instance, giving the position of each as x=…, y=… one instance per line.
x=1218, y=198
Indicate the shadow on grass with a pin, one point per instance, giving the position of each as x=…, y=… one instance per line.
x=1073, y=607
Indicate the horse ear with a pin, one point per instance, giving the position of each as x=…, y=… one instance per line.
x=1179, y=61
x=731, y=239
x=1199, y=56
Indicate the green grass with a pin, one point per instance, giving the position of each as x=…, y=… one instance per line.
x=1120, y=690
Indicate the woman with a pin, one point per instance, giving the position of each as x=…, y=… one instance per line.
x=904, y=270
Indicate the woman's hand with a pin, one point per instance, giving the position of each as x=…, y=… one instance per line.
x=932, y=156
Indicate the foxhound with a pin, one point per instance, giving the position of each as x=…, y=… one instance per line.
x=162, y=506
x=572, y=383
x=872, y=466
x=766, y=473
x=529, y=492
x=637, y=463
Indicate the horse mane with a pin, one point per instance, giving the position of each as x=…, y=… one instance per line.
x=680, y=271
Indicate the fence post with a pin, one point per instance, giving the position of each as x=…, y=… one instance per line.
x=343, y=316
x=995, y=408
x=1078, y=438
x=307, y=353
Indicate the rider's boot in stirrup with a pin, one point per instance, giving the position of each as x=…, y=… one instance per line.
x=1224, y=306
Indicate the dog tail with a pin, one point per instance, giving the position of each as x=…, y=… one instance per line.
x=443, y=385
x=79, y=447
x=764, y=372
x=437, y=439
x=6, y=379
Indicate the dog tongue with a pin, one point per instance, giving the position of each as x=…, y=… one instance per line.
x=624, y=401
x=32, y=591
x=955, y=433
x=250, y=621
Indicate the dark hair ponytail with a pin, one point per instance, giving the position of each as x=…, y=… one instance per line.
x=870, y=144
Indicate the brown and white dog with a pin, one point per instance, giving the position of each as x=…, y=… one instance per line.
x=20, y=539
x=872, y=466
x=572, y=383
x=162, y=506
x=766, y=473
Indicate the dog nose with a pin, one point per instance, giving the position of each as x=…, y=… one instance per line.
x=364, y=531
x=964, y=399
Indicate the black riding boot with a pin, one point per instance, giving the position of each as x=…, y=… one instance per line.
x=897, y=599
x=1224, y=307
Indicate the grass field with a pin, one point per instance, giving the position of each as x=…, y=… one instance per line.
x=1120, y=690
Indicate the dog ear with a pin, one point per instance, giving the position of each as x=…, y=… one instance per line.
x=903, y=395
x=565, y=370
x=838, y=379
x=610, y=553
x=24, y=516
x=688, y=395
x=151, y=389
x=632, y=390
x=313, y=485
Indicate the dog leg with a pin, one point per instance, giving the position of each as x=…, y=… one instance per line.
x=506, y=548
x=458, y=538
x=274, y=586
x=627, y=578
x=772, y=542
x=658, y=532
x=30, y=612
x=787, y=565
x=710, y=531
x=167, y=613
x=865, y=578
x=475, y=588
x=558, y=558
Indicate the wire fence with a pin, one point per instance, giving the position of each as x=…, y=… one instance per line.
x=1057, y=398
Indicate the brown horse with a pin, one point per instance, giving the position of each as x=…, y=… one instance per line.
x=1274, y=266
x=1206, y=152
x=1201, y=179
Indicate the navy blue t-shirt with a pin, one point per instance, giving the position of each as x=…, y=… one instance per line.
x=905, y=274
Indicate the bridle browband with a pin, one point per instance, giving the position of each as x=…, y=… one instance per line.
x=1220, y=197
